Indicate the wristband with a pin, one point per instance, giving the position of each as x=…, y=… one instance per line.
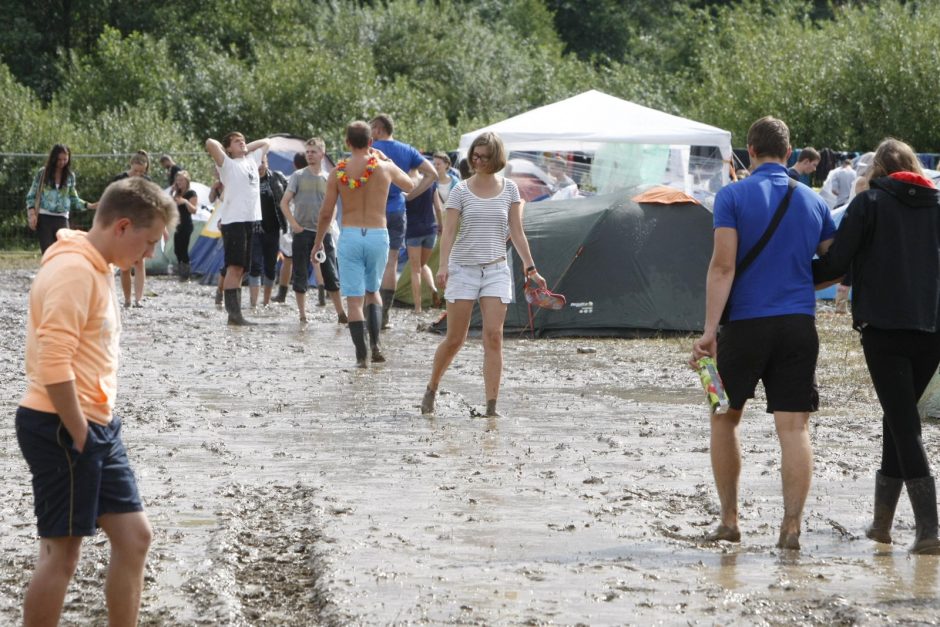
x=530, y=271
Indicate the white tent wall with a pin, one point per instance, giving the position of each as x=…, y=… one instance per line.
x=594, y=121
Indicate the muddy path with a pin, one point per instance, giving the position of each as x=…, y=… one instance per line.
x=287, y=488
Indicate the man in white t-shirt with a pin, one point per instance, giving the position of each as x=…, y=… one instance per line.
x=237, y=162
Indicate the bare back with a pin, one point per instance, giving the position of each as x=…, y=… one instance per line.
x=365, y=205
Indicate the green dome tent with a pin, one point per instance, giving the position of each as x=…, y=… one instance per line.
x=622, y=266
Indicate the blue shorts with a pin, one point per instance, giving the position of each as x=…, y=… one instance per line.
x=362, y=254
x=396, y=229
x=422, y=241
x=71, y=489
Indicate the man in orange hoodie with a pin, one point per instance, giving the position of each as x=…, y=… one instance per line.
x=64, y=424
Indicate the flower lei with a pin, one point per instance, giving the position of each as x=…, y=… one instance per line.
x=352, y=183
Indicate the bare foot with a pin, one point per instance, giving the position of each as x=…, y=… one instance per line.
x=724, y=533
x=789, y=540
x=427, y=403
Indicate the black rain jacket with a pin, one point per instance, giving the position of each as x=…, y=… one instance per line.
x=890, y=237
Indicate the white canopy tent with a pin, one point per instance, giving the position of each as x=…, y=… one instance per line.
x=594, y=121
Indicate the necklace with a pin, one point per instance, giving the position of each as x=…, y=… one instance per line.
x=352, y=183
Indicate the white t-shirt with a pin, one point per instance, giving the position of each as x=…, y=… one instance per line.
x=241, y=201
x=484, y=223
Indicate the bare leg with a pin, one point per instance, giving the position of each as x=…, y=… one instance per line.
x=140, y=275
x=494, y=314
x=391, y=265
x=253, y=291
x=58, y=558
x=130, y=537
x=414, y=260
x=355, y=306
x=796, y=456
x=301, y=304
x=287, y=266
x=338, y=305
x=267, y=294
x=126, y=286
x=426, y=270
x=458, y=323
x=233, y=277
x=726, y=467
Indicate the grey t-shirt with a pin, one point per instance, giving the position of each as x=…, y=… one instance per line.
x=308, y=189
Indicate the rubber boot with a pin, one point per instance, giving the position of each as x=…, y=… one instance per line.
x=234, y=308
x=321, y=296
x=887, y=493
x=387, y=297
x=357, y=330
x=374, y=321
x=218, y=298
x=184, y=271
x=923, y=495
x=281, y=294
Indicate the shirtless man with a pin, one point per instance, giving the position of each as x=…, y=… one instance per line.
x=362, y=181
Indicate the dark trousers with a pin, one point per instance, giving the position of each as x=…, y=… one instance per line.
x=181, y=241
x=46, y=228
x=264, y=249
x=301, y=248
x=901, y=364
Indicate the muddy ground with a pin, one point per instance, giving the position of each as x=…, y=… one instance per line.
x=286, y=488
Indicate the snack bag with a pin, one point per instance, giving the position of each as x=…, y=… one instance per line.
x=711, y=382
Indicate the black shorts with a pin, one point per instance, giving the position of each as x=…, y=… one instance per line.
x=71, y=489
x=781, y=351
x=236, y=243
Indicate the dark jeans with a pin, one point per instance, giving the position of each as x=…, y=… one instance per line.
x=46, y=228
x=264, y=249
x=901, y=364
x=181, y=241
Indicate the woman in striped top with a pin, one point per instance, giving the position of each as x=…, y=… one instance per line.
x=473, y=263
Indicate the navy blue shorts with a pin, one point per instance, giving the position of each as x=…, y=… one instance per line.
x=71, y=489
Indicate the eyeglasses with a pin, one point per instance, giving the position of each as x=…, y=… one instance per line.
x=478, y=157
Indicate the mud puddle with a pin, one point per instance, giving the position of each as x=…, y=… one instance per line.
x=287, y=488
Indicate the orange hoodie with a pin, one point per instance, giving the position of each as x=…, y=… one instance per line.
x=73, y=328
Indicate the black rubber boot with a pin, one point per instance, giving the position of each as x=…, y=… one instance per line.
x=218, y=298
x=234, y=308
x=887, y=493
x=184, y=271
x=374, y=322
x=388, y=296
x=923, y=495
x=321, y=296
x=281, y=294
x=357, y=330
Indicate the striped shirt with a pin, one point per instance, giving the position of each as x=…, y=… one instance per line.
x=484, y=225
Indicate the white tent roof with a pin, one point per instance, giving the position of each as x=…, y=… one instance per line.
x=586, y=121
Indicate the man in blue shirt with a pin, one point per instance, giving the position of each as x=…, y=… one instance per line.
x=771, y=330
x=407, y=158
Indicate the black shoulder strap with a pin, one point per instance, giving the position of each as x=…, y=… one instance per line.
x=774, y=223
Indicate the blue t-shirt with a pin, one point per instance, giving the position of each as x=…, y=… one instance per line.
x=780, y=281
x=420, y=213
x=405, y=157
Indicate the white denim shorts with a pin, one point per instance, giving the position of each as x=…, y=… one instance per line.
x=474, y=282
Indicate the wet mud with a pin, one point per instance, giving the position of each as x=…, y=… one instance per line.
x=287, y=487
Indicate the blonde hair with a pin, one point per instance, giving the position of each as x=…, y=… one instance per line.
x=892, y=156
x=139, y=200
x=497, y=159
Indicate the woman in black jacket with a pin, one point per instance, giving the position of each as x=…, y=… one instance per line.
x=890, y=238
